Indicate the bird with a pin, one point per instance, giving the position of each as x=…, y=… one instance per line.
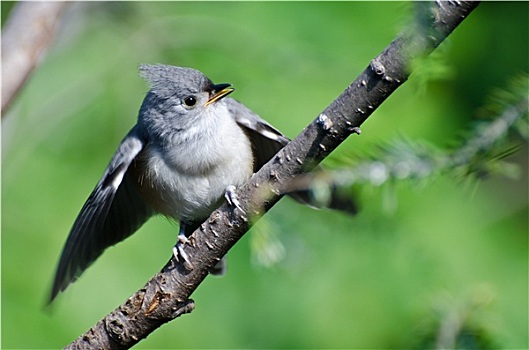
x=191, y=146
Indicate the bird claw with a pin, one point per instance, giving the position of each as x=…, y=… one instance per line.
x=178, y=251
x=232, y=198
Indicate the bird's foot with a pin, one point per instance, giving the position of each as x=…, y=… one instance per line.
x=178, y=251
x=232, y=198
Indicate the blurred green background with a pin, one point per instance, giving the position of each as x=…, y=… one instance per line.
x=382, y=279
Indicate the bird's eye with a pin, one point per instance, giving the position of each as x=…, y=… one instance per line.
x=190, y=101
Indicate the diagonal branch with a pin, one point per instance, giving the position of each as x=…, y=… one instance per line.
x=26, y=36
x=166, y=295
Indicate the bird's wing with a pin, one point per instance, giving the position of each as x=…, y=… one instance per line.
x=113, y=212
x=266, y=140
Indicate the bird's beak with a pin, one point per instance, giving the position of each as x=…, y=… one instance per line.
x=219, y=91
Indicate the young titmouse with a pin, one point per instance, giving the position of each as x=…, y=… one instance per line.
x=190, y=147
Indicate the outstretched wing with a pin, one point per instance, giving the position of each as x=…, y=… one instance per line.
x=113, y=212
x=266, y=140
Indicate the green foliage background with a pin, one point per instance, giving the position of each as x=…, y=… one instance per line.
x=383, y=279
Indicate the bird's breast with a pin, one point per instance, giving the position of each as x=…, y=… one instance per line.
x=187, y=180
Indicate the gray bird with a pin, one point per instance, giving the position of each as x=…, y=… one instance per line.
x=190, y=147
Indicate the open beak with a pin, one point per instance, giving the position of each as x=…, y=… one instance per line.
x=219, y=91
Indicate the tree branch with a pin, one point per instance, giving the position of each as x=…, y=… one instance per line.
x=166, y=295
x=25, y=38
